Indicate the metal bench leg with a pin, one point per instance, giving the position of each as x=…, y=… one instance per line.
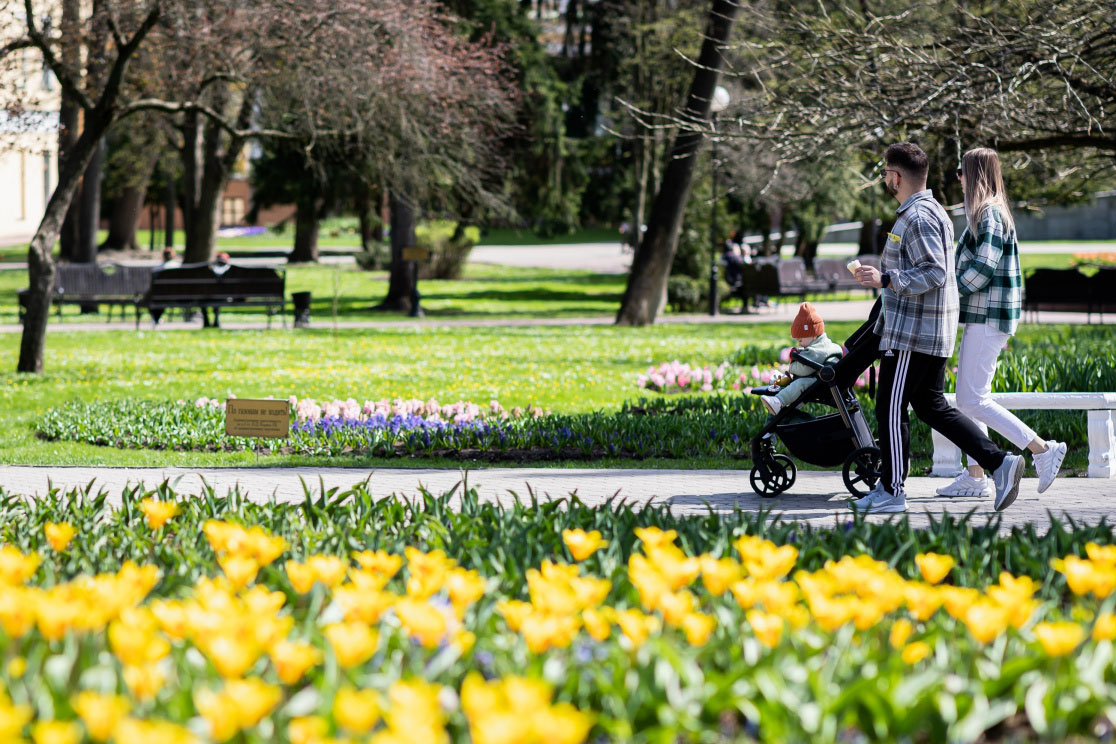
x=1102, y=444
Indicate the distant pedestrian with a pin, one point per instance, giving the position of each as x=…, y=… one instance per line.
x=918, y=329
x=989, y=283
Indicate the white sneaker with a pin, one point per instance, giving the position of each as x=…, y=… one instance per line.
x=1006, y=478
x=966, y=485
x=1047, y=464
x=773, y=404
x=866, y=500
x=883, y=503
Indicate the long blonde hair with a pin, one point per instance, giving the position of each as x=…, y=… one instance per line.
x=984, y=187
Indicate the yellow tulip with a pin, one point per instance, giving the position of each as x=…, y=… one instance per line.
x=16, y=667
x=772, y=564
x=1080, y=574
x=986, y=620
x=301, y=576
x=158, y=513
x=241, y=570
x=922, y=600
x=653, y=537
x=15, y=567
x=100, y=713
x=1104, y=554
x=56, y=732
x=414, y=714
x=934, y=567
x=543, y=631
x=307, y=730
x=58, y=535
x=328, y=569
x=636, y=626
x=427, y=572
x=1104, y=629
x=589, y=592
x=562, y=724
x=958, y=600
x=253, y=699
x=219, y=711
x=352, y=643
x=675, y=606
x=698, y=628
x=12, y=720
x=145, y=681
x=132, y=731
x=915, y=652
x=292, y=660
x=380, y=562
x=18, y=610
x=778, y=596
x=424, y=622
x=364, y=606
x=901, y=630
x=768, y=628
x=1059, y=639
x=583, y=544
x=718, y=574
x=464, y=588
x=647, y=580
x=598, y=622
x=232, y=655
x=514, y=612
x=356, y=710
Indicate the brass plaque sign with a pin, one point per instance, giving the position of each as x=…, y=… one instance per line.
x=415, y=253
x=257, y=418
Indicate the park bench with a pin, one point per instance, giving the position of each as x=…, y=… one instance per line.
x=95, y=284
x=1101, y=421
x=205, y=285
x=771, y=277
x=1069, y=290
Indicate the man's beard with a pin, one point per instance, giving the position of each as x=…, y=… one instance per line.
x=891, y=189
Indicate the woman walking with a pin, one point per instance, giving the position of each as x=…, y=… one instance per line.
x=989, y=282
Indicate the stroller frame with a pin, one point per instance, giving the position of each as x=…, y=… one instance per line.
x=853, y=444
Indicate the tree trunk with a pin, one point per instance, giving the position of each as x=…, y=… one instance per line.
x=168, y=214
x=363, y=205
x=40, y=264
x=646, y=289
x=68, y=115
x=91, y=205
x=401, y=283
x=126, y=211
x=306, y=231
x=206, y=166
x=643, y=169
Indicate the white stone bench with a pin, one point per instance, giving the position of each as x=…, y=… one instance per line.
x=1101, y=408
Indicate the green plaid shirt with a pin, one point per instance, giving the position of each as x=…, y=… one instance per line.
x=988, y=276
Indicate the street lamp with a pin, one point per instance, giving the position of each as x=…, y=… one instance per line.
x=717, y=104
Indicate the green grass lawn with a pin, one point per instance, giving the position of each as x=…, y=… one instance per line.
x=567, y=369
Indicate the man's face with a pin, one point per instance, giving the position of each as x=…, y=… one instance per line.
x=891, y=180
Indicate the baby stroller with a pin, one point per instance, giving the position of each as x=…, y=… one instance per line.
x=842, y=438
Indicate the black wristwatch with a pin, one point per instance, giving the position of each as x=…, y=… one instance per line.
x=885, y=280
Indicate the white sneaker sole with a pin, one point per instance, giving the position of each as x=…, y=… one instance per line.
x=886, y=508
x=968, y=493
x=1059, y=456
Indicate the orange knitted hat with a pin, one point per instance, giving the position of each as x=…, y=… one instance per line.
x=807, y=323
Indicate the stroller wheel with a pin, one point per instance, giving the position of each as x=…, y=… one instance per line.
x=862, y=470
x=781, y=472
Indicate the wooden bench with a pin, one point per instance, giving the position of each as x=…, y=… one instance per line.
x=96, y=284
x=1069, y=290
x=788, y=277
x=1101, y=408
x=206, y=285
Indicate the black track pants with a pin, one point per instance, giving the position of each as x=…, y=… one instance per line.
x=908, y=377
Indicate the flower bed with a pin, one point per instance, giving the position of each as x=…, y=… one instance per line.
x=379, y=622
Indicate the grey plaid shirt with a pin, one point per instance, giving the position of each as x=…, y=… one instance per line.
x=920, y=305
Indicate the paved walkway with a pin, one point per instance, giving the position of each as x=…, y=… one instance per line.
x=818, y=498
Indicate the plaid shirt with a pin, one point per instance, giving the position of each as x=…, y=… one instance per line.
x=920, y=305
x=988, y=276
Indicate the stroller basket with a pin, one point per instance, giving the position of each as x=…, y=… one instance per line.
x=823, y=441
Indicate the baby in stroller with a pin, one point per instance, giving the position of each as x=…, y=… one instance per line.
x=841, y=439
x=808, y=329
